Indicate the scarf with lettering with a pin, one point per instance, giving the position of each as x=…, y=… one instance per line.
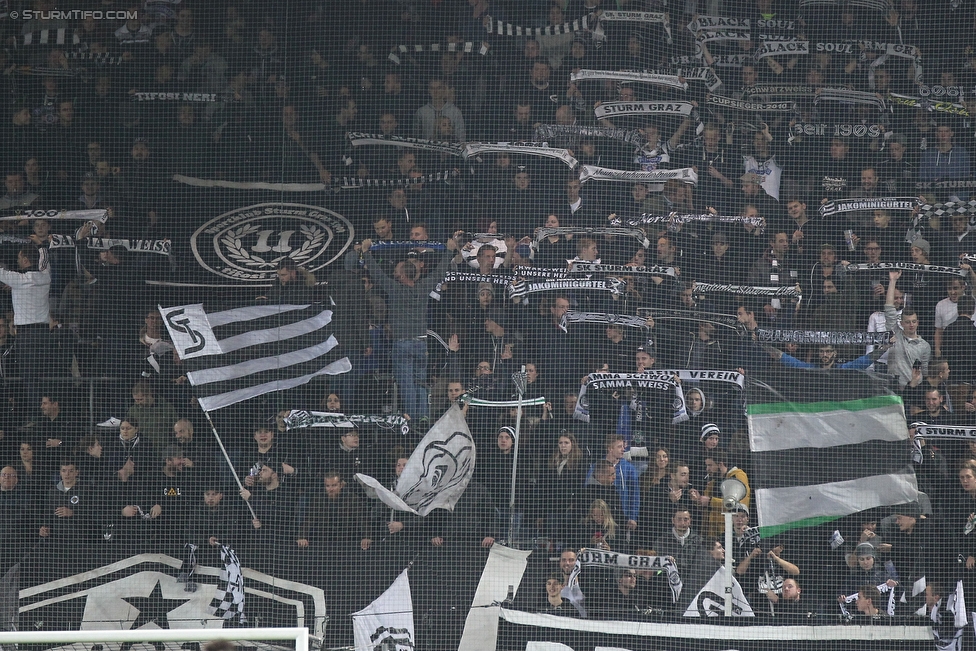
x=881, y=203
x=358, y=139
x=905, y=266
x=745, y=105
x=674, y=220
x=926, y=104
x=600, y=558
x=595, y=173
x=522, y=288
x=620, y=269
x=298, y=419
x=609, y=16
x=746, y=290
x=823, y=337
x=629, y=136
x=639, y=235
x=672, y=81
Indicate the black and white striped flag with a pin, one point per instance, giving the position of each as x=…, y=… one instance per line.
x=237, y=354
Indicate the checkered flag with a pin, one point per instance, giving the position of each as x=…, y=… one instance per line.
x=951, y=208
x=228, y=601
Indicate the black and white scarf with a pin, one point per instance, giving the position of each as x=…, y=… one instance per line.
x=629, y=136
x=845, y=96
x=906, y=266
x=521, y=288
x=792, y=91
x=946, y=432
x=98, y=215
x=926, y=104
x=604, y=318
x=499, y=28
x=619, y=269
x=356, y=182
x=881, y=203
x=408, y=244
x=522, y=149
x=716, y=319
x=358, y=139
x=745, y=105
x=702, y=22
x=822, y=337
x=639, y=235
x=595, y=173
x=600, y=558
x=669, y=80
x=609, y=16
x=174, y=97
x=792, y=47
x=746, y=290
x=468, y=47
x=610, y=109
x=161, y=247
x=299, y=419
x=674, y=220
x=836, y=130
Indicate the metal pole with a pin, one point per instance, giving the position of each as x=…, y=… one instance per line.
x=728, y=563
x=520, y=383
x=213, y=428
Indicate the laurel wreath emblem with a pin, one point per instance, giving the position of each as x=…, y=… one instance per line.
x=233, y=241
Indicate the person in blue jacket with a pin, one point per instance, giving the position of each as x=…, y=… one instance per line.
x=626, y=481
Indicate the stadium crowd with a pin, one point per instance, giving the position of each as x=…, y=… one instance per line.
x=262, y=95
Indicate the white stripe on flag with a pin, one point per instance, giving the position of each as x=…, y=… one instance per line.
x=251, y=366
x=220, y=400
x=789, y=429
x=782, y=506
x=280, y=333
x=250, y=313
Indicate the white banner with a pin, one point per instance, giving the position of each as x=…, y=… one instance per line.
x=387, y=623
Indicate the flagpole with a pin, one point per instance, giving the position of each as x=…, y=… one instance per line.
x=519, y=379
x=213, y=428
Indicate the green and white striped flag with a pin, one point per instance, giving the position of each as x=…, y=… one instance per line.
x=826, y=444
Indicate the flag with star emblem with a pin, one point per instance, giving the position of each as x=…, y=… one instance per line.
x=228, y=600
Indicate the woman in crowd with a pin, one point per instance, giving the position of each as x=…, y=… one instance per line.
x=553, y=251
x=598, y=529
x=561, y=482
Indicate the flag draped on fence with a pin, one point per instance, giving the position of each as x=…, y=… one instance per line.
x=238, y=354
x=710, y=600
x=437, y=472
x=822, y=455
x=228, y=600
x=387, y=623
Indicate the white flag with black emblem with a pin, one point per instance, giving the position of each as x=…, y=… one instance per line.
x=241, y=353
x=710, y=600
x=387, y=623
x=437, y=472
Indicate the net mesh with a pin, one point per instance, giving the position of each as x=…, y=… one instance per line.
x=315, y=311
